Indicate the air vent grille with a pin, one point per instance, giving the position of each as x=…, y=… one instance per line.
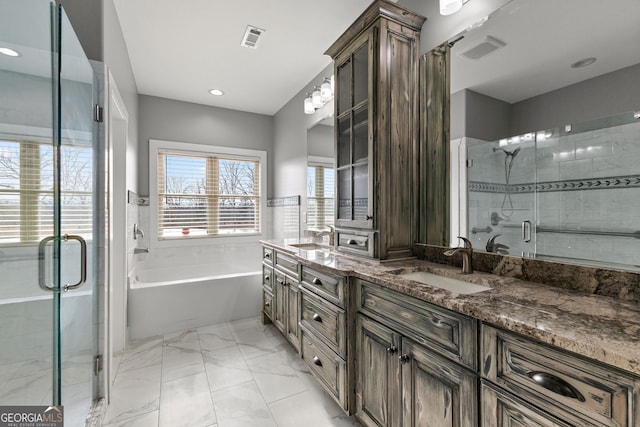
x=491, y=44
x=251, y=37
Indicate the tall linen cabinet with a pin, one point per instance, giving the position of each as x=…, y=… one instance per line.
x=376, y=132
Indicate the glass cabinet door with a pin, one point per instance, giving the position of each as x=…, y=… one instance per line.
x=354, y=140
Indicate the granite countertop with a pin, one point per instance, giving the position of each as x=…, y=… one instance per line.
x=594, y=326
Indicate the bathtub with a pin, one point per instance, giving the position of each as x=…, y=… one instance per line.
x=168, y=299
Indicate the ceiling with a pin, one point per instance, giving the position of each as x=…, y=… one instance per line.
x=543, y=38
x=180, y=50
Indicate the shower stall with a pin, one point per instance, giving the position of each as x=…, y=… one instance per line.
x=567, y=193
x=51, y=229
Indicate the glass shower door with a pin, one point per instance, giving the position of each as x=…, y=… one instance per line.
x=47, y=338
x=77, y=198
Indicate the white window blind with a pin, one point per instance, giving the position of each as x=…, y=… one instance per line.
x=320, y=196
x=207, y=195
x=26, y=191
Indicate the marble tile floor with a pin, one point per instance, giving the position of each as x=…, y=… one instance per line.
x=232, y=374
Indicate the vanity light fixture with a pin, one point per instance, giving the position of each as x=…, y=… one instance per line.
x=449, y=7
x=308, y=105
x=319, y=96
x=9, y=52
x=216, y=92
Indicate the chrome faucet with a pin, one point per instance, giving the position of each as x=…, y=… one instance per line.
x=137, y=232
x=497, y=248
x=466, y=251
x=331, y=233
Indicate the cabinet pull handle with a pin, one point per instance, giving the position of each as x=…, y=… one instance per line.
x=316, y=281
x=317, y=317
x=526, y=231
x=404, y=358
x=392, y=349
x=317, y=361
x=556, y=385
x=267, y=255
x=352, y=242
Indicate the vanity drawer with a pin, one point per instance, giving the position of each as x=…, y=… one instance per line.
x=287, y=264
x=267, y=255
x=327, y=366
x=451, y=334
x=267, y=278
x=326, y=285
x=360, y=243
x=325, y=321
x=565, y=385
x=267, y=303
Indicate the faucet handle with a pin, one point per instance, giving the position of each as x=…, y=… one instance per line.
x=467, y=242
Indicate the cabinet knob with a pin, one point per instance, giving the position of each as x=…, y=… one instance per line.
x=317, y=361
x=267, y=304
x=392, y=349
x=404, y=358
x=316, y=317
x=267, y=277
x=369, y=217
x=316, y=281
x=267, y=255
x=280, y=281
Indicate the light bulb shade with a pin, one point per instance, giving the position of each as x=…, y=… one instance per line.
x=448, y=7
x=317, y=98
x=325, y=90
x=308, y=105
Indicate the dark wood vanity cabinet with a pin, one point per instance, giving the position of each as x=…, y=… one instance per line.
x=376, y=132
x=404, y=380
x=281, y=294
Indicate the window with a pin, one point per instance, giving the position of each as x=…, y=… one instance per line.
x=207, y=194
x=320, y=195
x=26, y=190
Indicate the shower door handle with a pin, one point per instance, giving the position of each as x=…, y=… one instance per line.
x=526, y=231
x=41, y=267
x=83, y=261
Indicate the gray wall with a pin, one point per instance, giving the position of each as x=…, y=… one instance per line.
x=478, y=116
x=602, y=96
x=86, y=18
x=171, y=120
x=320, y=141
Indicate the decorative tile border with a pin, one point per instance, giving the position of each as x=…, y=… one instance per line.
x=284, y=201
x=628, y=181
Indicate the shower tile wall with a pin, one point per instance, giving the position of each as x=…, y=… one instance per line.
x=562, y=166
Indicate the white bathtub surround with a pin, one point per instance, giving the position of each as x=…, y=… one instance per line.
x=158, y=394
x=172, y=289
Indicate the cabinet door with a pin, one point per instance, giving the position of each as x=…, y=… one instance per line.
x=279, y=301
x=293, y=313
x=378, y=374
x=500, y=409
x=354, y=134
x=435, y=391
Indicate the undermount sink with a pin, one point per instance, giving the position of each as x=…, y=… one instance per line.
x=309, y=245
x=446, y=283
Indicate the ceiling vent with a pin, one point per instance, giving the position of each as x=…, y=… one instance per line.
x=251, y=37
x=491, y=44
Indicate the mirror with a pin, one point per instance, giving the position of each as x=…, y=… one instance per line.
x=545, y=152
x=320, y=204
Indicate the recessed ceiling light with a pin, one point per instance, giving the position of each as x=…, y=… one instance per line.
x=583, y=62
x=9, y=52
x=216, y=92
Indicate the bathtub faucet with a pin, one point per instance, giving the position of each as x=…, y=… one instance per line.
x=137, y=232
